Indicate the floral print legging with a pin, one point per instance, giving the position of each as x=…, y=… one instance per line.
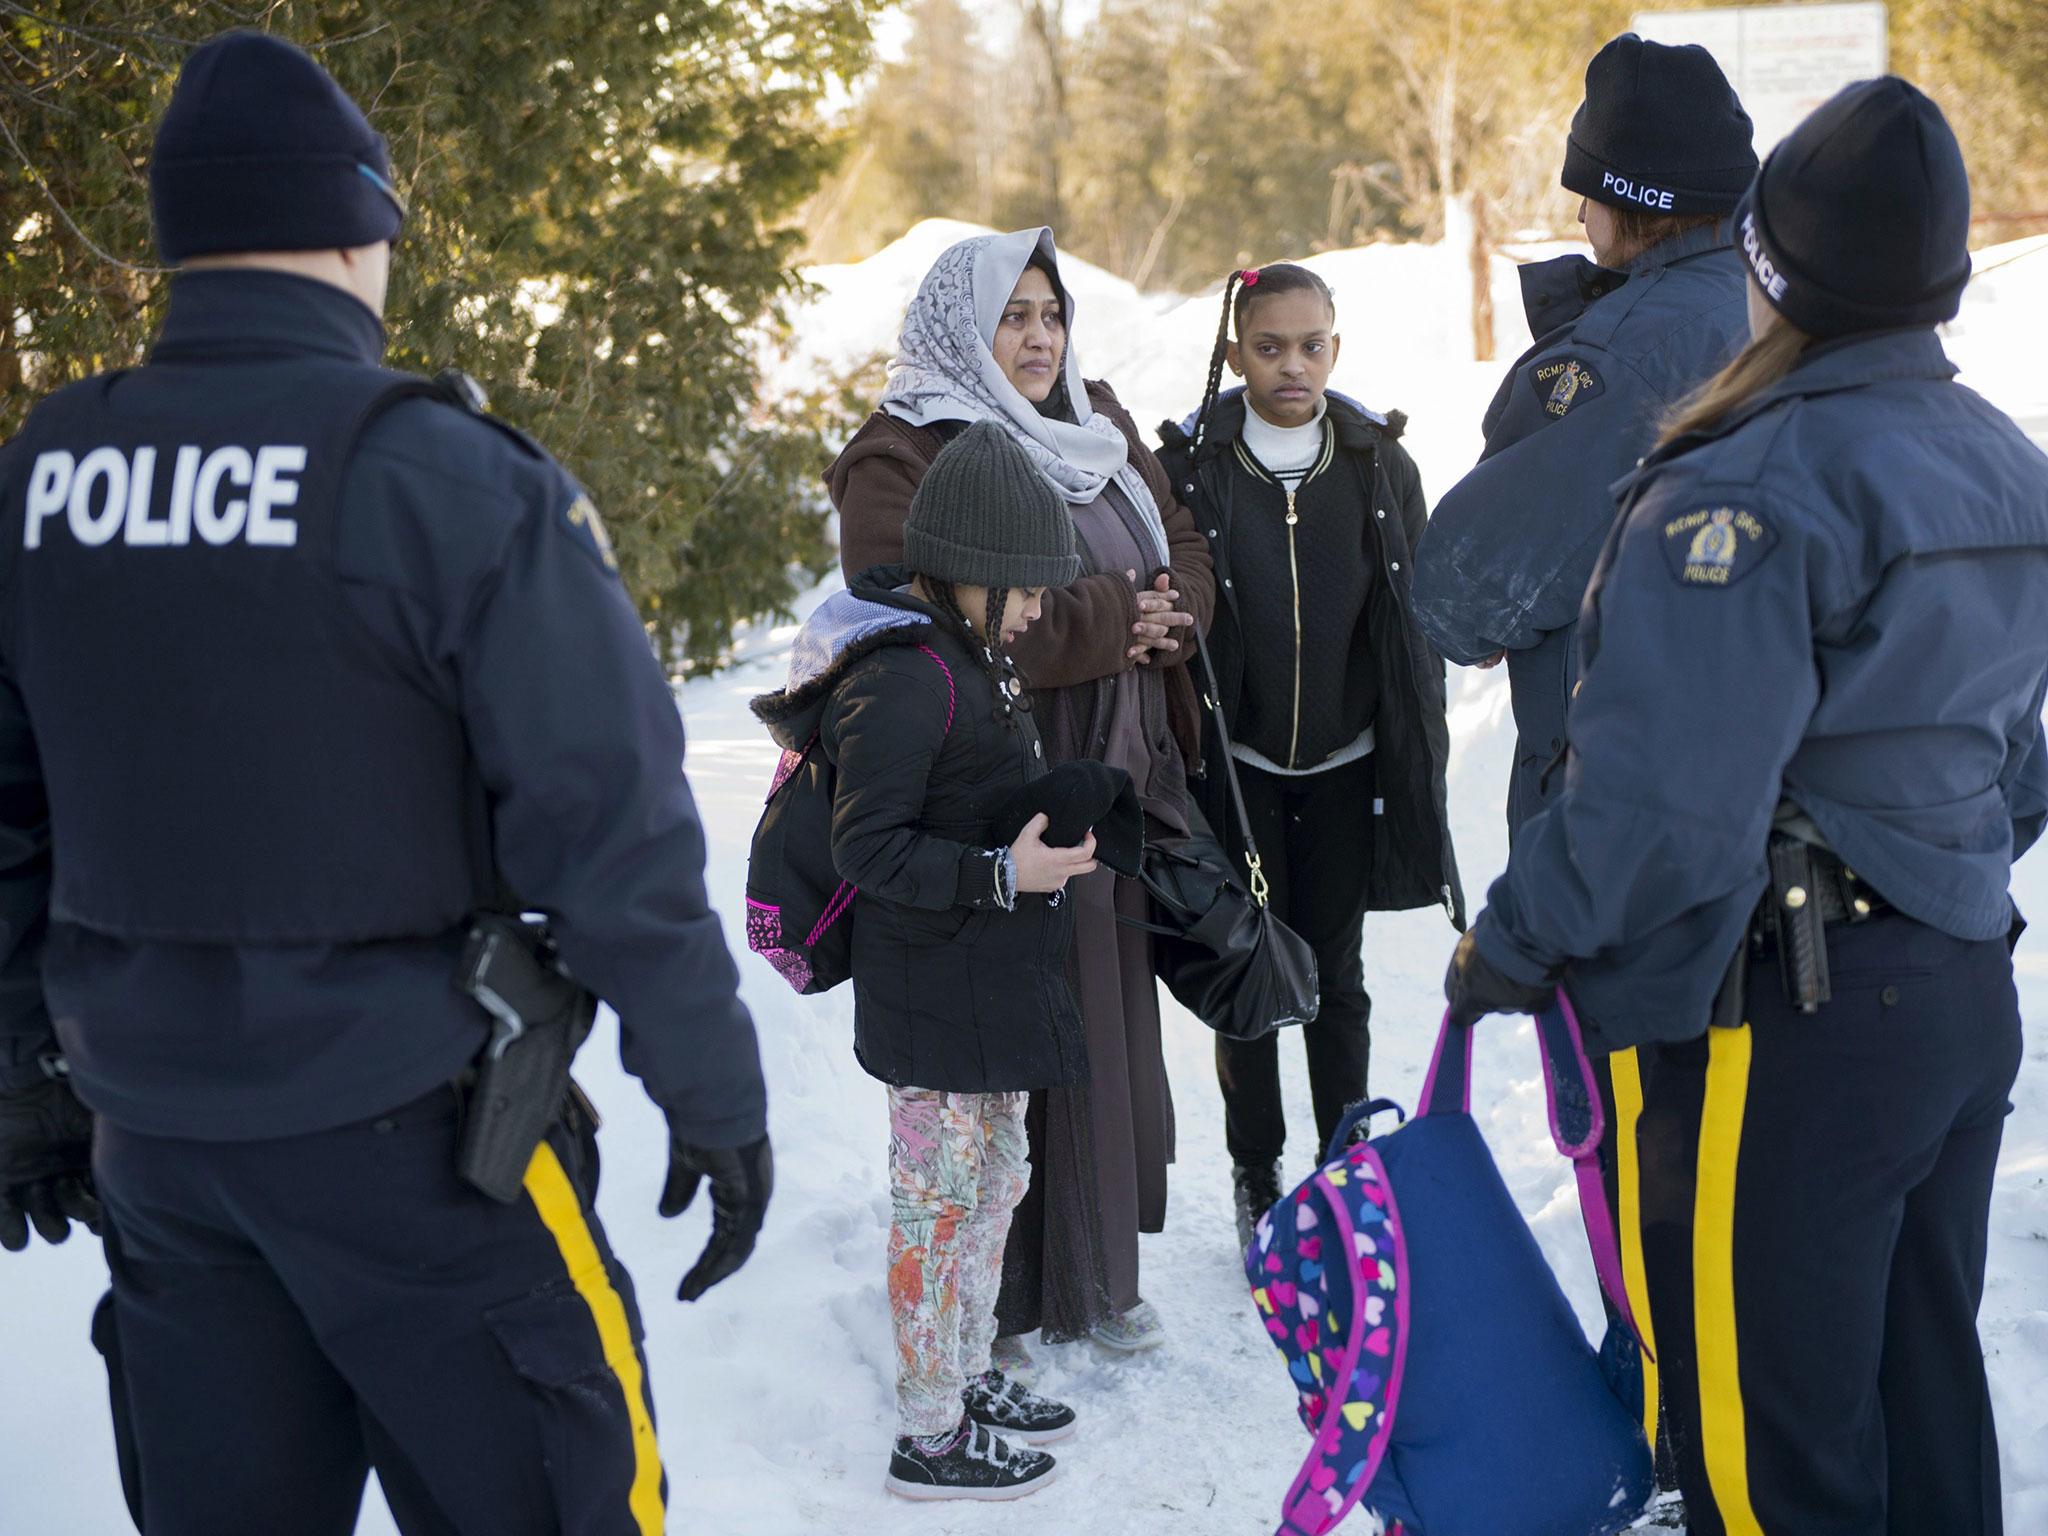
x=958, y=1165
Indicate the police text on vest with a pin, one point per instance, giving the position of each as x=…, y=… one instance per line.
x=228, y=494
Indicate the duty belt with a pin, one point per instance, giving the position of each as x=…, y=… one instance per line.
x=1810, y=891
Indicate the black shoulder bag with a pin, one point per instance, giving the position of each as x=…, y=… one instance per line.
x=1218, y=947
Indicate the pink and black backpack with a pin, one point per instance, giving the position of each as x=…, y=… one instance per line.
x=798, y=908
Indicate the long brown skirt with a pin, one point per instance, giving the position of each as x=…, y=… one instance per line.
x=1098, y=1152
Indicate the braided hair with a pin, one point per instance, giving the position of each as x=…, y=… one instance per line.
x=986, y=646
x=1240, y=291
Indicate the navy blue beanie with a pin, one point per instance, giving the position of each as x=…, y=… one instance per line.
x=1661, y=129
x=260, y=150
x=1860, y=219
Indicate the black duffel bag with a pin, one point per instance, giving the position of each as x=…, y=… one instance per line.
x=1217, y=945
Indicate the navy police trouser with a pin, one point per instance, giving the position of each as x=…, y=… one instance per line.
x=1815, y=1193
x=290, y=1313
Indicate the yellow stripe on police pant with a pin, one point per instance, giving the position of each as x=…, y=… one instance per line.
x=1625, y=1073
x=555, y=1198
x=1723, y=1438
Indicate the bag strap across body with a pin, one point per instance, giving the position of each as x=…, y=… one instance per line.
x=842, y=897
x=1255, y=875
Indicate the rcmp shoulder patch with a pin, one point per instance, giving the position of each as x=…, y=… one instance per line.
x=1564, y=382
x=1716, y=546
x=589, y=531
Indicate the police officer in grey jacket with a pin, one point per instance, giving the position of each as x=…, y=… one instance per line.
x=1659, y=151
x=303, y=663
x=1809, y=747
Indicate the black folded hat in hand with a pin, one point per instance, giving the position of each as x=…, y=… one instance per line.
x=1077, y=797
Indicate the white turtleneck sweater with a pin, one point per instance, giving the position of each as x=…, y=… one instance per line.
x=1285, y=450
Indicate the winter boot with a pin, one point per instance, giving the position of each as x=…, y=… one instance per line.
x=1257, y=1187
x=1015, y=1413
x=1129, y=1332
x=1009, y=1356
x=970, y=1463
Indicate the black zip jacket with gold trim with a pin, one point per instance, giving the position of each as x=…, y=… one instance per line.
x=1311, y=685
x=1390, y=676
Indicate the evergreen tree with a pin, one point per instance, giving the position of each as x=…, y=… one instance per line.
x=925, y=141
x=600, y=197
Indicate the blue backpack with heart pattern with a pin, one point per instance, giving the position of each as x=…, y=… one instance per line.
x=1445, y=1380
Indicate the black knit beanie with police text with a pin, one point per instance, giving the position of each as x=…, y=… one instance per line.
x=1661, y=130
x=1860, y=219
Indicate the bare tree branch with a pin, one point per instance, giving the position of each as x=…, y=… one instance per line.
x=63, y=213
x=117, y=39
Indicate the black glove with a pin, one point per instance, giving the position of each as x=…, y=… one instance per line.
x=1474, y=988
x=742, y=1179
x=45, y=1165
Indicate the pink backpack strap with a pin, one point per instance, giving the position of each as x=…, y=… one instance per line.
x=1578, y=1123
x=842, y=899
x=1566, y=1065
x=952, y=693
x=764, y=922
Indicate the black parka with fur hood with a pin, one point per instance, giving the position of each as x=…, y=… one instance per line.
x=951, y=992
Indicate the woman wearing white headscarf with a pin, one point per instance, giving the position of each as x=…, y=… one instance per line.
x=985, y=339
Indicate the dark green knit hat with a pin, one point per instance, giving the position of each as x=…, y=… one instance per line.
x=983, y=514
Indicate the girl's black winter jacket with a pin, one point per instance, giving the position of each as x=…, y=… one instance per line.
x=951, y=992
x=1413, y=864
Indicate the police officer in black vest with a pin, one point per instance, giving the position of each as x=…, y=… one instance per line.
x=302, y=664
x=1806, y=750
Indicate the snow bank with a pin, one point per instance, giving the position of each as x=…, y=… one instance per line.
x=775, y=1392
x=1997, y=340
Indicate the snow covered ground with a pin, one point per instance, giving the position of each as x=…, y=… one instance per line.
x=775, y=1392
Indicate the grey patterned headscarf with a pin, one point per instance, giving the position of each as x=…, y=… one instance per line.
x=944, y=370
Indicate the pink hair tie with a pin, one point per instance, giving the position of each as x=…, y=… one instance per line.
x=1250, y=276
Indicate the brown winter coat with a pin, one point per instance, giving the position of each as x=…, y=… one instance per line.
x=1084, y=632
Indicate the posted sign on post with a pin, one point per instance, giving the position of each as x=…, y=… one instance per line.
x=1783, y=60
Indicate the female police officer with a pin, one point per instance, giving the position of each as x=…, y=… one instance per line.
x=1813, y=673
x=1661, y=150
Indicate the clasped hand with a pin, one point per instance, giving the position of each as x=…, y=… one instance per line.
x=1158, y=618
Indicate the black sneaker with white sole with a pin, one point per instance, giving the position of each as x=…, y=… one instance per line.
x=1016, y=1413
x=972, y=1463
